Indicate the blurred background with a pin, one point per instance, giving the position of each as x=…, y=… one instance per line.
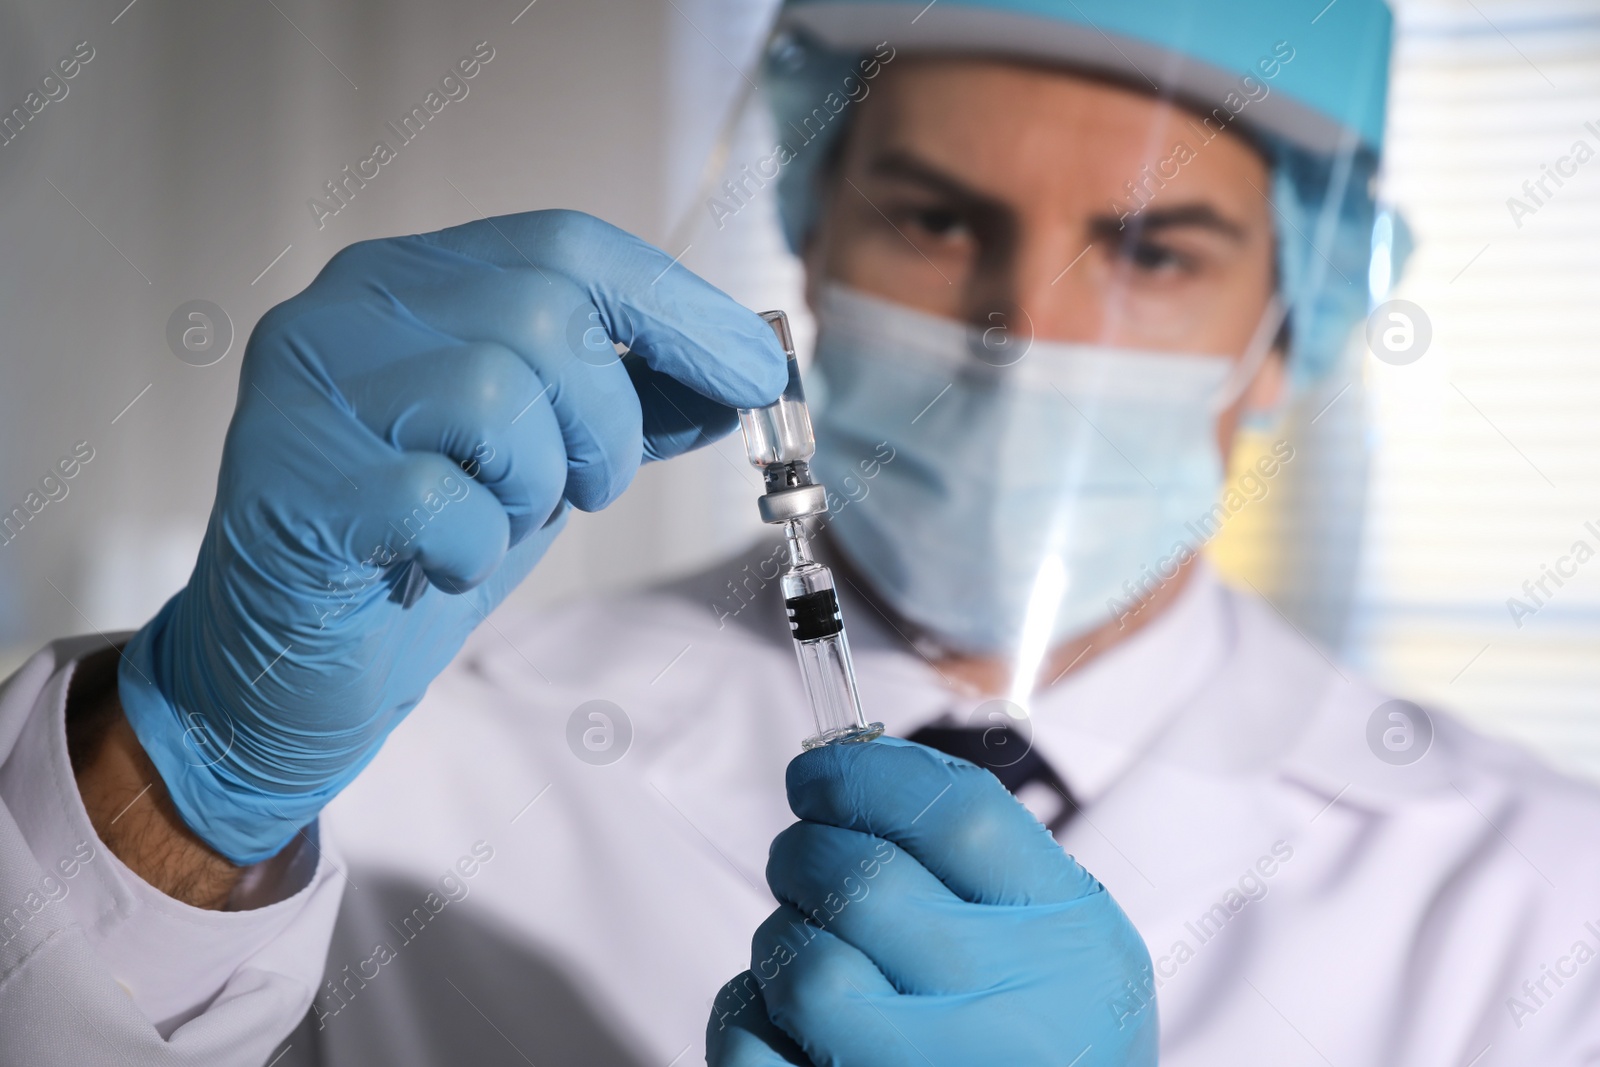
x=182, y=162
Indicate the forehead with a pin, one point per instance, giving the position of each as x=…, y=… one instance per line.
x=1024, y=129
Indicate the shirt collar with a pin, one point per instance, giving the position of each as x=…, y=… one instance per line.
x=1093, y=724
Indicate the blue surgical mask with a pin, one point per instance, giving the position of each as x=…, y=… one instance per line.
x=1029, y=489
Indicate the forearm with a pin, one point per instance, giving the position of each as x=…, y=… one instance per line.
x=127, y=801
x=116, y=903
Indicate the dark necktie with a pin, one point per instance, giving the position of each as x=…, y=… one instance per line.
x=996, y=749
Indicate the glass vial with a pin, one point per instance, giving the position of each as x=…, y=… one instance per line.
x=780, y=432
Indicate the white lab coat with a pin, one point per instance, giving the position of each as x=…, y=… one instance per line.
x=1304, y=902
x=98, y=967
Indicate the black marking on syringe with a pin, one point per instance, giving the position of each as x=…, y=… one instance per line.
x=814, y=616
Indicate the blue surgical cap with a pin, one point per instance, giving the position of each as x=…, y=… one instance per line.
x=1320, y=122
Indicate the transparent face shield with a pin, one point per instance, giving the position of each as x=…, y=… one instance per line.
x=1062, y=326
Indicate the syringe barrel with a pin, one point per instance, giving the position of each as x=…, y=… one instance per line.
x=824, y=654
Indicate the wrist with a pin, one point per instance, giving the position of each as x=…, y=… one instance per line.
x=178, y=717
x=127, y=801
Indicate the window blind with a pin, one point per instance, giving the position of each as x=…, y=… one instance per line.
x=1479, y=588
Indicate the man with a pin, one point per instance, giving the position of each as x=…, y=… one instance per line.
x=1050, y=252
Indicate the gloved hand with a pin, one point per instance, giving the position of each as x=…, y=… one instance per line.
x=928, y=919
x=414, y=423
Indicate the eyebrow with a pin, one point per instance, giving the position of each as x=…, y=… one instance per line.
x=1180, y=216
x=904, y=166
x=907, y=167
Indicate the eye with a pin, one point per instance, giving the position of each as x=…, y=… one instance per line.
x=939, y=222
x=1154, y=258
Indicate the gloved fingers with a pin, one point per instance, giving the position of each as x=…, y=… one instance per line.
x=483, y=407
x=518, y=562
x=676, y=418
x=544, y=322
x=956, y=819
x=739, y=1033
x=877, y=898
x=427, y=510
x=679, y=323
x=361, y=269
x=826, y=994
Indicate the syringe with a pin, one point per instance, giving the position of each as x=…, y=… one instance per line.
x=779, y=442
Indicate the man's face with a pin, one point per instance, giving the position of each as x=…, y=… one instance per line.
x=972, y=187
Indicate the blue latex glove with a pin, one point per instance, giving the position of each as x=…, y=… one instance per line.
x=929, y=920
x=414, y=423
